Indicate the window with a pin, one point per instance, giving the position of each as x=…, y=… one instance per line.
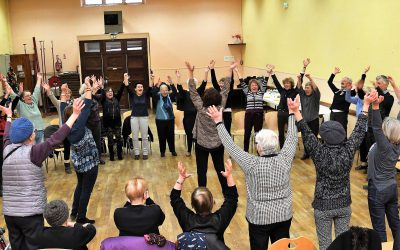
x=109, y=2
x=113, y=46
x=92, y=47
x=134, y=45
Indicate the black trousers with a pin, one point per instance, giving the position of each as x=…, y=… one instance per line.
x=227, y=116
x=252, y=118
x=166, y=133
x=96, y=132
x=364, y=149
x=260, y=234
x=83, y=190
x=23, y=231
x=67, y=149
x=112, y=132
x=188, y=124
x=283, y=118
x=340, y=117
x=314, y=126
x=217, y=156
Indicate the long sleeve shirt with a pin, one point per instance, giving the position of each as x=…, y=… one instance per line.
x=339, y=101
x=333, y=164
x=228, y=105
x=140, y=103
x=269, y=192
x=285, y=93
x=382, y=157
x=355, y=100
x=255, y=100
x=78, y=129
x=184, y=103
x=205, y=130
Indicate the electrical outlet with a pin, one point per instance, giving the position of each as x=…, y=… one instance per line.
x=229, y=58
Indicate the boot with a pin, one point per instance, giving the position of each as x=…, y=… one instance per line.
x=67, y=166
x=119, y=152
x=111, y=151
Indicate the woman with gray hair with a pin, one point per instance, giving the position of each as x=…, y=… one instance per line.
x=269, y=194
x=382, y=182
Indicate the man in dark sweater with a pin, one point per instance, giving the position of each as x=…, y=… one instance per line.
x=140, y=215
x=62, y=233
x=339, y=107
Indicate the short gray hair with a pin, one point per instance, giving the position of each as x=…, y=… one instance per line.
x=348, y=79
x=391, y=129
x=383, y=78
x=267, y=142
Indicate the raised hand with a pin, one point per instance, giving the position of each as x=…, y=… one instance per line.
x=182, y=171
x=391, y=80
x=20, y=88
x=87, y=82
x=228, y=169
x=306, y=62
x=169, y=79
x=177, y=73
x=294, y=105
x=93, y=78
x=379, y=100
x=212, y=64
x=189, y=67
x=6, y=109
x=45, y=86
x=367, y=69
x=336, y=71
x=215, y=114
x=78, y=105
x=39, y=77
x=308, y=76
x=270, y=68
x=371, y=97
x=101, y=82
x=234, y=65
x=126, y=79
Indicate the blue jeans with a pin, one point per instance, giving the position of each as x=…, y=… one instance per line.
x=39, y=136
x=83, y=191
x=381, y=203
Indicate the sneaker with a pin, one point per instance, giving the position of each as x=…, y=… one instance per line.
x=67, y=167
x=137, y=157
x=174, y=154
x=188, y=154
x=361, y=167
x=73, y=217
x=145, y=157
x=85, y=220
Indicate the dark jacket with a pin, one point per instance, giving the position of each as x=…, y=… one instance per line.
x=213, y=224
x=111, y=109
x=217, y=87
x=183, y=101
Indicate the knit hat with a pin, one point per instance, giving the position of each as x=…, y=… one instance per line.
x=20, y=130
x=56, y=213
x=332, y=132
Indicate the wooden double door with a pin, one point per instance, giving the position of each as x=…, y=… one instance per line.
x=112, y=58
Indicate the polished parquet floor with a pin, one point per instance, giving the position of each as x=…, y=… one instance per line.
x=161, y=174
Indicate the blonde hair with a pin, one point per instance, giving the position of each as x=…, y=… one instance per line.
x=391, y=129
x=290, y=80
x=135, y=188
x=267, y=142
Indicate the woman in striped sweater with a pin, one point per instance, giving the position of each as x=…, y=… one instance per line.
x=269, y=195
x=254, y=116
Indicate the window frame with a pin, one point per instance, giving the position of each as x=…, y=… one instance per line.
x=104, y=3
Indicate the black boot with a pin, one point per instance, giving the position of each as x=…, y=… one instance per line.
x=111, y=151
x=67, y=166
x=119, y=152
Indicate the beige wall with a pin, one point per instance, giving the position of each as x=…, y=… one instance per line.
x=5, y=35
x=179, y=30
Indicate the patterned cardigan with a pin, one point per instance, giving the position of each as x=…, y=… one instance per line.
x=269, y=193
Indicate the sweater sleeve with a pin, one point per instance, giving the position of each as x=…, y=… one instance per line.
x=245, y=160
x=36, y=95
x=224, y=93
x=194, y=96
x=120, y=92
x=245, y=87
x=6, y=136
x=55, y=102
x=331, y=85
x=78, y=129
x=84, y=233
x=381, y=140
x=358, y=133
x=228, y=208
x=40, y=151
x=202, y=88
x=264, y=82
x=310, y=141
x=277, y=83
x=214, y=80
x=15, y=103
x=181, y=212
x=349, y=98
x=290, y=145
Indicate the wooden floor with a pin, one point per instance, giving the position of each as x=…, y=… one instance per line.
x=161, y=174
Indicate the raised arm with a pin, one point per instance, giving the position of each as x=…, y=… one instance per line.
x=36, y=91
x=330, y=80
x=243, y=84
x=194, y=95
x=51, y=96
x=226, y=88
x=396, y=89
x=214, y=79
x=289, y=147
x=349, y=98
x=275, y=80
x=380, y=138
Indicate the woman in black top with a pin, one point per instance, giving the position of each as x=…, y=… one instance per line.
x=218, y=85
x=185, y=104
x=112, y=118
x=287, y=91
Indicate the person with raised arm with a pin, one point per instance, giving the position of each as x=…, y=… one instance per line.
x=333, y=160
x=202, y=220
x=84, y=154
x=29, y=108
x=24, y=195
x=269, y=209
x=287, y=91
x=254, y=116
x=165, y=116
x=218, y=85
x=185, y=104
x=396, y=90
x=205, y=131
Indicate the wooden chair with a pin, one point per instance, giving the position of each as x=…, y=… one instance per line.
x=271, y=120
x=179, y=128
x=238, y=124
x=300, y=243
x=126, y=114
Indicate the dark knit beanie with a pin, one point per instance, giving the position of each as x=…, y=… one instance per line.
x=56, y=213
x=20, y=130
x=332, y=132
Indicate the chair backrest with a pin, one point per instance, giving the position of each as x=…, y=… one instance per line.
x=178, y=118
x=271, y=120
x=132, y=243
x=238, y=120
x=300, y=243
x=126, y=114
x=55, y=121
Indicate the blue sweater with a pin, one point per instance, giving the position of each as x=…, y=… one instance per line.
x=355, y=100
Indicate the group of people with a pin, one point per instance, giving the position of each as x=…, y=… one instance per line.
x=207, y=121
